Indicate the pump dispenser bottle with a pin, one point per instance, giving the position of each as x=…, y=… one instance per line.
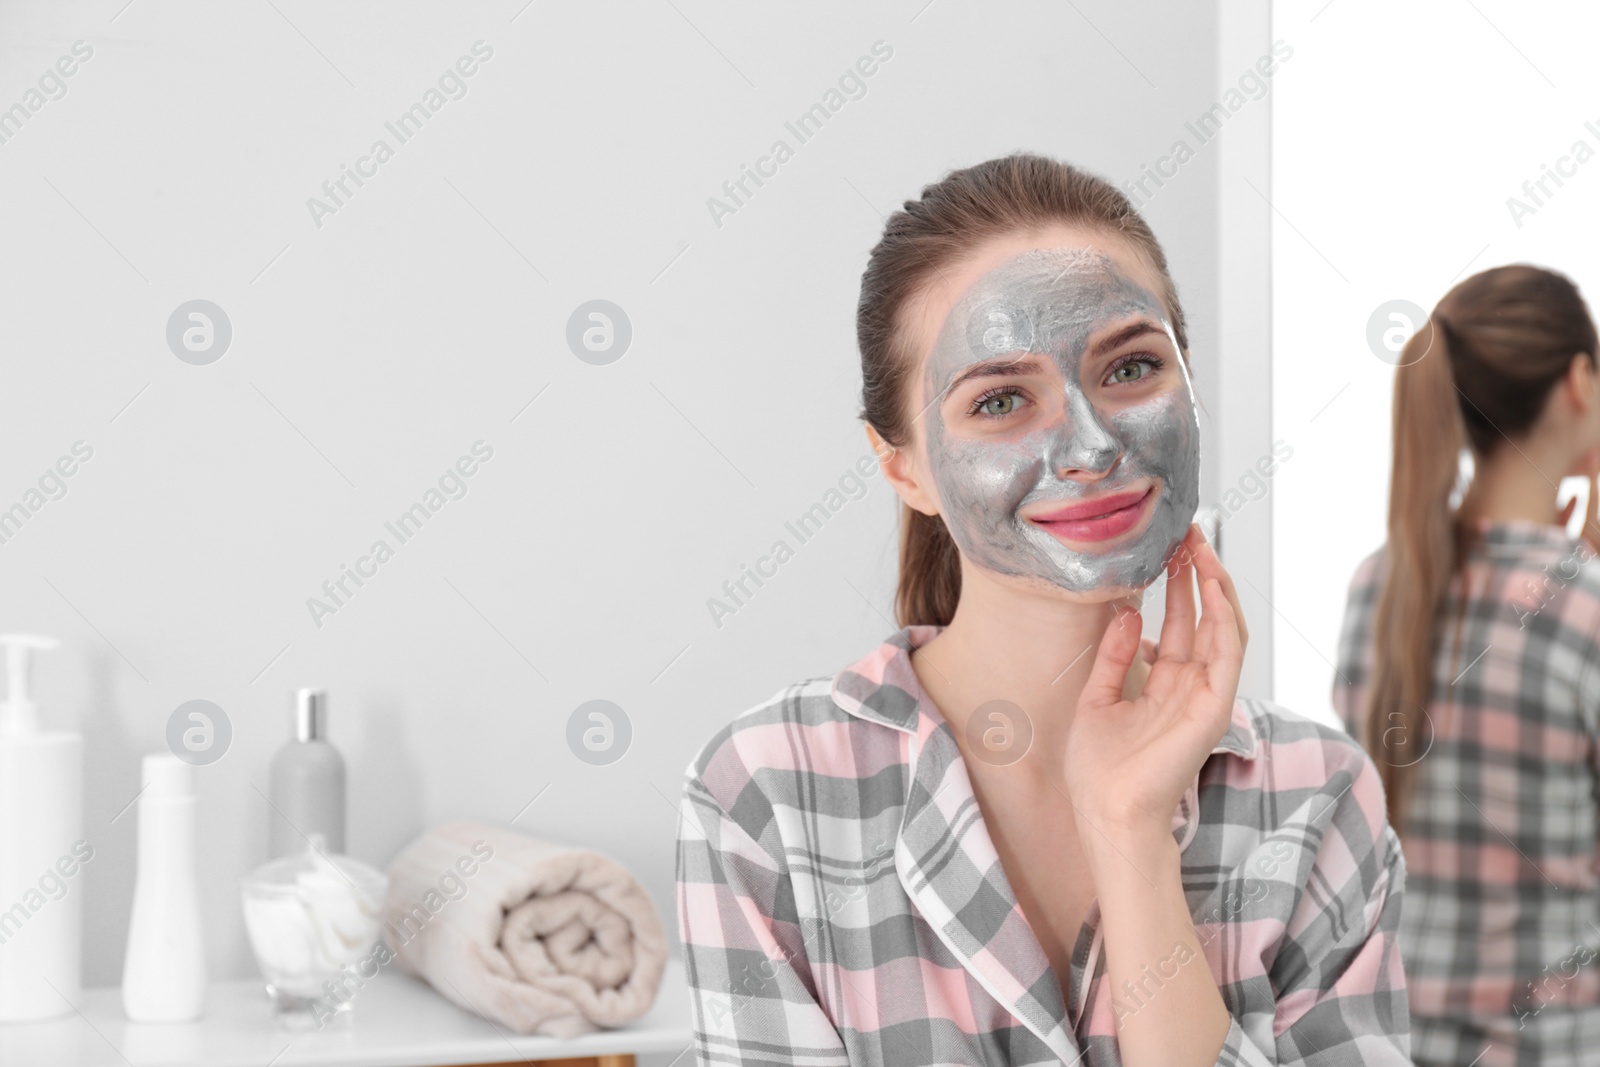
x=41, y=822
x=306, y=782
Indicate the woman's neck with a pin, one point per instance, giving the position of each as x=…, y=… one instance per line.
x=1032, y=650
x=1518, y=482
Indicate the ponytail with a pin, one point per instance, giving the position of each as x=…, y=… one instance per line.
x=1425, y=548
x=928, y=553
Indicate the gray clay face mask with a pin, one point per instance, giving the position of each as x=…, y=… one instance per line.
x=1097, y=440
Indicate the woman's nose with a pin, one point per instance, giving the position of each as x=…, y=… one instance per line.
x=1083, y=442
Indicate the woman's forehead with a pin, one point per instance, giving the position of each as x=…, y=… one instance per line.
x=1044, y=300
x=1065, y=305
x=1027, y=277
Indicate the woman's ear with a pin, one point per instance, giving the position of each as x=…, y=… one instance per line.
x=1581, y=374
x=899, y=468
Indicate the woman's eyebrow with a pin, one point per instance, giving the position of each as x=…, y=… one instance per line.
x=1029, y=364
x=994, y=368
x=1124, y=335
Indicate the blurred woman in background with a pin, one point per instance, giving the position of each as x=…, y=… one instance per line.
x=1468, y=666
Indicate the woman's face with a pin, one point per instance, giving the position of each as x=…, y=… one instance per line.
x=1059, y=420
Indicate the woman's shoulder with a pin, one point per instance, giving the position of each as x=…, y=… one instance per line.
x=1300, y=759
x=799, y=728
x=1361, y=597
x=1575, y=563
x=1371, y=568
x=1287, y=733
x=807, y=702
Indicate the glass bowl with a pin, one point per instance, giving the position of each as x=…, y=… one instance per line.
x=313, y=921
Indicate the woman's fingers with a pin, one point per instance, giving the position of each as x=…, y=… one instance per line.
x=1148, y=649
x=1209, y=565
x=1591, y=523
x=1589, y=464
x=1177, y=624
x=1225, y=656
x=1592, y=459
x=1112, y=659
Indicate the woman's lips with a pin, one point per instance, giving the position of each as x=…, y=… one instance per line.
x=1081, y=524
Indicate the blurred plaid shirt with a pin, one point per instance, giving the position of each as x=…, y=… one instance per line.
x=1502, y=916
x=841, y=901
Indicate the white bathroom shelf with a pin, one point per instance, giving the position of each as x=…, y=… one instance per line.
x=394, y=1021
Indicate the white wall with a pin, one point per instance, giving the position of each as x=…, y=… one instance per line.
x=372, y=351
x=1247, y=448
x=1395, y=151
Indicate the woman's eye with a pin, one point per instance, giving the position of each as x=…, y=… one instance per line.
x=1133, y=370
x=997, y=403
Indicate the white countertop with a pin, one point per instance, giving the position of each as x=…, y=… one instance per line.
x=395, y=1021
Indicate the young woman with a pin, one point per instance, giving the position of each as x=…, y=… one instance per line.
x=1468, y=664
x=1004, y=836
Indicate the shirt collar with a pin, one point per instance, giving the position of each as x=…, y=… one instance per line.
x=882, y=687
x=1495, y=533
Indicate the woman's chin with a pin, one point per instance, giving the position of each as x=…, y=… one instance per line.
x=1109, y=593
x=1043, y=565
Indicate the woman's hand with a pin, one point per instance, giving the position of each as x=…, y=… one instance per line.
x=1589, y=466
x=1130, y=761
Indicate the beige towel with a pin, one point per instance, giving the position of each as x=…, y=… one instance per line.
x=542, y=938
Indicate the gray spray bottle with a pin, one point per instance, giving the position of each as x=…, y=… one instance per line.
x=306, y=782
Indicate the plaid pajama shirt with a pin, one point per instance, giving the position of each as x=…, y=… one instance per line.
x=1502, y=919
x=841, y=901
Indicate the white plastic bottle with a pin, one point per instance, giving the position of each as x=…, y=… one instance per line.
x=164, y=974
x=41, y=820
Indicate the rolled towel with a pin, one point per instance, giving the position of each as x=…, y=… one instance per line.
x=543, y=938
